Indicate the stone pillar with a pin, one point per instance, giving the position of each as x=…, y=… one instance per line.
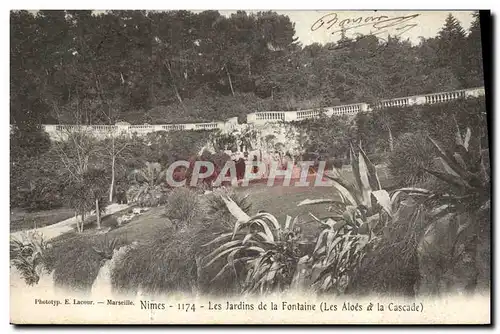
x=51, y=130
x=251, y=118
x=475, y=92
x=419, y=99
x=290, y=116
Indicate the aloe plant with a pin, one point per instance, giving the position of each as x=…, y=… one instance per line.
x=267, y=250
x=336, y=256
x=362, y=205
x=464, y=196
x=358, y=218
x=465, y=173
x=465, y=188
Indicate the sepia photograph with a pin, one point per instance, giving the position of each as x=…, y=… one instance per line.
x=250, y=167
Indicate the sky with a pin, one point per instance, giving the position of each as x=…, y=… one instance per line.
x=416, y=23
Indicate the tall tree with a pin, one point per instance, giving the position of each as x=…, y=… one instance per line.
x=474, y=60
x=450, y=47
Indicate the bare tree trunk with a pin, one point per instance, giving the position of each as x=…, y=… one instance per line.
x=76, y=219
x=98, y=213
x=81, y=222
x=391, y=139
x=112, y=185
x=178, y=95
x=167, y=65
x=229, y=78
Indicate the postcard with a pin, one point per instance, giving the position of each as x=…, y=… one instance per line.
x=249, y=167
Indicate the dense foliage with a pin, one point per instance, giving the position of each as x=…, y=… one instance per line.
x=77, y=66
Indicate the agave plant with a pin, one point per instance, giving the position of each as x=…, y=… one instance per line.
x=465, y=183
x=463, y=198
x=363, y=204
x=465, y=173
x=266, y=251
x=217, y=212
x=362, y=213
x=336, y=255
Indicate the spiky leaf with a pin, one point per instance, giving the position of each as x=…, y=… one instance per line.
x=383, y=199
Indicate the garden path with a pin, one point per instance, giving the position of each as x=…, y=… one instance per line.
x=65, y=226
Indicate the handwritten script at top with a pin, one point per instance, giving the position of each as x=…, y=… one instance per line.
x=378, y=24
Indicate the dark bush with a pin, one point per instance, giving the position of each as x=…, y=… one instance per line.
x=148, y=196
x=168, y=264
x=182, y=207
x=412, y=153
x=76, y=260
x=338, y=163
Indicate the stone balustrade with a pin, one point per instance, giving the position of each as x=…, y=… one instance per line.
x=352, y=109
x=260, y=118
x=305, y=114
x=349, y=109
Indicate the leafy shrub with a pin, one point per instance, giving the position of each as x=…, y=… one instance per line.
x=149, y=196
x=28, y=256
x=110, y=221
x=34, y=186
x=183, y=207
x=42, y=197
x=338, y=163
x=148, y=187
x=412, y=154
